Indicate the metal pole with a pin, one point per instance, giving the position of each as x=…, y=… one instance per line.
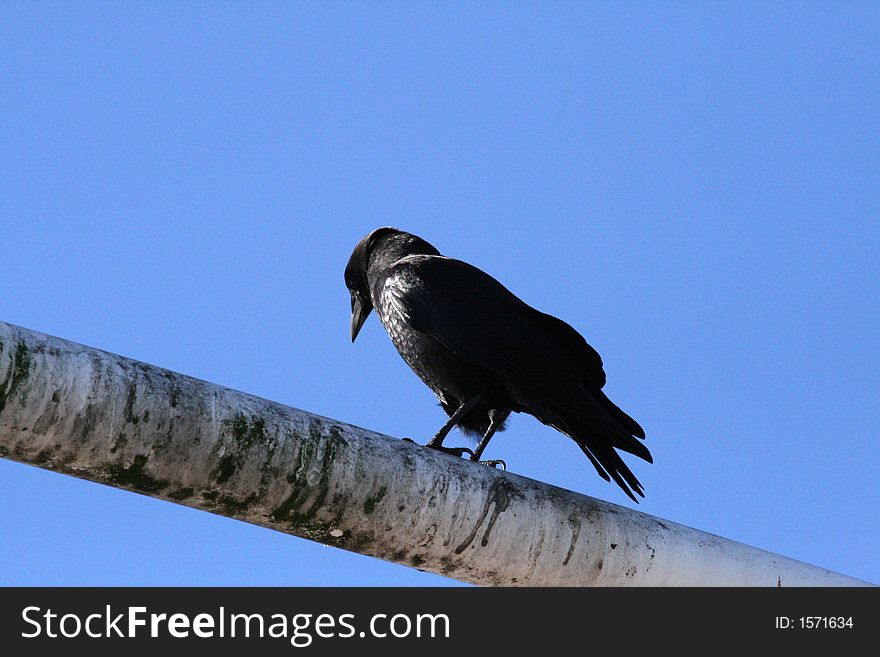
x=110, y=419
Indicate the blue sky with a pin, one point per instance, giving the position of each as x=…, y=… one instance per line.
x=693, y=186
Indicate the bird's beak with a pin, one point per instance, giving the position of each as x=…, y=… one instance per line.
x=359, y=312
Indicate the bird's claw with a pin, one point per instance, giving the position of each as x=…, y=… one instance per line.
x=495, y=463
x=454, y=451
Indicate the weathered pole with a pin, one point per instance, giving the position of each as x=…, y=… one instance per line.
x=110, y=419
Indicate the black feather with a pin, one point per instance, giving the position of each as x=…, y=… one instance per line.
x=466, y=335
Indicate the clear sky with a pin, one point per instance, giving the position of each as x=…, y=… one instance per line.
x=693, y=186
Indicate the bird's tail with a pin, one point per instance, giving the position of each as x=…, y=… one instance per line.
x=599, y=440
x=609, y=465
x=625, y=420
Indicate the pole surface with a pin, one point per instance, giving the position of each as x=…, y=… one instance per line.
x=127, y=424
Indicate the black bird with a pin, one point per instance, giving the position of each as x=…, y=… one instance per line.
x=485, y=353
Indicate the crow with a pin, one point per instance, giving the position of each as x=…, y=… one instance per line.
x=486, y=354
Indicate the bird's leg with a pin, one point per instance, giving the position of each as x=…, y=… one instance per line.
x=496, y=419
x=437, y=441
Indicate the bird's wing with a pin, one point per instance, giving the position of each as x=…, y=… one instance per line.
x=474, y=315
x=587, y=359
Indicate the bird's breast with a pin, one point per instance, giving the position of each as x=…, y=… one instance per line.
x=392, y=313
x=438, y=367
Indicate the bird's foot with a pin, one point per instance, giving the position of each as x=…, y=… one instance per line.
x=455, y=451
x=495, y=463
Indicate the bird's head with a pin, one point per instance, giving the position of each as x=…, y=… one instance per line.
x=372, y=255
